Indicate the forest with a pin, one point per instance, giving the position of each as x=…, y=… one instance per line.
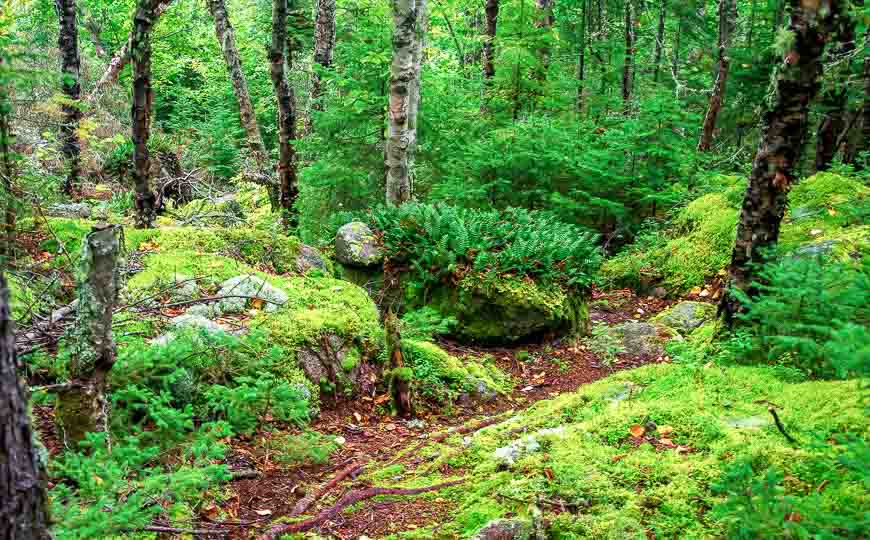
x=434, y=269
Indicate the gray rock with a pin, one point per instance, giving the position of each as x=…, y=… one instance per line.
x=208, y=311
x=480, y=393
x=186, y=288
x=816, y=249
x=505, y=529
x=70, y=210
x=687, y=316
x=308, y=259
x=356, y=245
x=643, y=339
x=659, y=292
x=802, y=212
x=328, y=361
x=246, y=287
x=197, y=321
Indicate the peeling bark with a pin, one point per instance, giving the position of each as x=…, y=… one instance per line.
x=23, y=501
x=70, y=67
x=287, y=180
x=782, y=135
x=727, y=20
x=491, y=9
x=143, y=98
x=122, y=57
x=324, y=43
x=82, y=408
x=409, y=26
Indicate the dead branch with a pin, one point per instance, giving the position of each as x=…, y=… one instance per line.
x=772, y=410
x=353, y=497
x=306, y=502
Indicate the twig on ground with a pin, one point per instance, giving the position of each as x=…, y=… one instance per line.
x=351, y=498
x=772, y=410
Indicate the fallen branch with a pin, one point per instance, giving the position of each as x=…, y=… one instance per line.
x=173, y=530
x=353, y=497
x=306, y=502
x=772, y=410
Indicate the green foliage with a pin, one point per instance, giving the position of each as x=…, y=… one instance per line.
x=442, y=242
x=306, y=448
x=604, y=343
x=425, y=324
x=812, y=314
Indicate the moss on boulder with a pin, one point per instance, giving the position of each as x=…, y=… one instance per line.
x=507, y=310
x=686, y=317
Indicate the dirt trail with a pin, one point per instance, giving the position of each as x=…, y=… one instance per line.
x=541, y=371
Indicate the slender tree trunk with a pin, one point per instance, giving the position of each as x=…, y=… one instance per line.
x=400, y=380
x=751, y=25
x=324, y=43
x=286, y=114
x=227, y=39
x=545, y=19
x=68, y=44
x=402, y=134
x=491, y=8
x=629, y=57
x=865, y=123
x=581, y=59
x=779, y=150
x=143, y=98
x=122, y=57
x=23, y=501
x=82, y=408
x=660, y=41
x=7, y=175
x=727, y=14
x=835, y=99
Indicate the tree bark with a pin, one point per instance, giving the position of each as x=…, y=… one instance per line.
x=727, y=16
x=287, y=180
x=629, y=57
x=122, y=57
x=143, y=98
x=324, y=43
x=581, y=58
x=23, y=501
x=835, y=99
x=408, y=28
x=7, y=175
x=400, y=380
x=783, y=130
x=545, y=19
x=82, y=408
x=227, y=39
x=70, y=66
x=660, y=41
x=491, y=9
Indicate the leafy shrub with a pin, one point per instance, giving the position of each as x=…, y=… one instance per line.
x=426, y=323
x=442, y=242
x=252, y=400
x=812, y=314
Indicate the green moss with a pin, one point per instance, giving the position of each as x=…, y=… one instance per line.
x=494, y=309
x=66, y=236
x=628, y=490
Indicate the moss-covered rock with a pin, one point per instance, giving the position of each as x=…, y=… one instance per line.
x=356, y=245
x=506, y=310
x=686, y=316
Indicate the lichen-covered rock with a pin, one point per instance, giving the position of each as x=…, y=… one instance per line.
x=356, y=245
x=198, y=322
x=242, y=289
x=504, y=311
x=333, y=360
x=642, y=338
x=308, y=259
x=817, y=249
x=186, y=288
x=506, y=529
x=687, y=316
x=70, y=210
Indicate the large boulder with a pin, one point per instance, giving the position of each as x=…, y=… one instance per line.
x=70, y=210
x=508, y=310
x=686, y=317
x=643, y=338
x=242, y=289
x=356, y=245
x=308, y=259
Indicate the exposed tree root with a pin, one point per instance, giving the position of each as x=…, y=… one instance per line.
x=464, y=430
x=353, y=497
x=306, y=502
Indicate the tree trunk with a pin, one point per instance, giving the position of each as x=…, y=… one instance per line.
x=727, y=15
x=70, y=64
x=751, y=25
x=865, y=123
x=400, y=376
x=629, y=57
x=122, y=57
x=289, y=187
x=408, y=27
x=23, y=501
x=7, y=175
x=581, y=58
x=324, y=43
x=143, y=98
x=835, y=99
x=779, y=150
x=660, y=41
x=227, y=39
x=491, y=9
x=82, y=408
x=545, y=19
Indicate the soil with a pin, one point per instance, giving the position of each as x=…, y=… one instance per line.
x=540, y=370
